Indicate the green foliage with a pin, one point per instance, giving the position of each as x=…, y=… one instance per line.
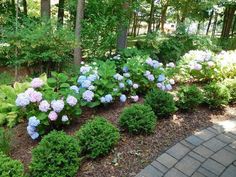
x=101, y=24
x=9, y=113
x=10, y=167
x=189, y=97
x=161, y=102
x=6, y=79
x=57, y=155
x=216, y=95
x=37, y=43
x=231, y=85
x=5, y=140
x=138, y=119
x=97, y=137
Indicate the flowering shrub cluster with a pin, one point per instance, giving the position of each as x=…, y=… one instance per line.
x=47, y=107
x=204, y=65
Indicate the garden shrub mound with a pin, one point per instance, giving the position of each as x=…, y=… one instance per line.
x=231, y=85
x=56, y=155
x=161, y=102
x=5, y=138
x=10, y=167
x=138, y=119
x=216, y=95
x=97, y=137
x=189, y=97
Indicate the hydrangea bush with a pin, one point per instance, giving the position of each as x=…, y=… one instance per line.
x=201, y=65
x=48, y=104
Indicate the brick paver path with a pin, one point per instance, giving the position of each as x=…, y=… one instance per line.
x=208, y=153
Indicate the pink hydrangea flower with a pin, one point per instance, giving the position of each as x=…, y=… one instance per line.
x=135, y=98
x=57, y=105
x=88, y=95
x=35, y=97
x=52, y=116
x=37, y=83
x=44, y=106
x=71, y=100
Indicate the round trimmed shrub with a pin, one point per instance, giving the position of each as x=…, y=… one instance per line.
x=231, y=85
x=161, y=102
x=56, y=155
x=10, y=167
x=216, y=95
x=189, y=97
x=97, y=137
x=138, y=118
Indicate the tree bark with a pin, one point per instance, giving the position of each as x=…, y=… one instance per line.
x=150, y=21
x=163, y=17
x=24, y=2
x=209, y=24
x=234, y=26
x=45, y=9
x=60, y=14
x=228, y=20
x=123, y=32
x=78, y=26
x=214, y=25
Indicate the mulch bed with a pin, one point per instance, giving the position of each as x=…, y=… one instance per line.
x=133, y=152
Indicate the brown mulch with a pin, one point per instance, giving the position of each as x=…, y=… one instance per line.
x=133, y=152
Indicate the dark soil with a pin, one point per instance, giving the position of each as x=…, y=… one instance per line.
x=133, y=152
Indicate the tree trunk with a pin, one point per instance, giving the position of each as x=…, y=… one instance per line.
x=134, y=29
x=234, y=26
x=78, y=26
x=198, y=27
x=209, y=24
x=150, y=21
x=123, y=31
x=163, y=17
x=228, y=20
x=45, y=9
x=24, y=2
x=60, y=14
x=214, y=25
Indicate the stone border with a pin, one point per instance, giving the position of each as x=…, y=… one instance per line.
x=209, y=152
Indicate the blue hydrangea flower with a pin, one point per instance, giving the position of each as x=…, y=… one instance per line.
x=33, y=121
x=92, y=77
x=121, y=85
x=81, y=79
x=108, y=98
x=75, y=88
x=161, y=78
x=86, y=84
x=130, y=82
x=168, y=87
x=103, y=100
x=123, y=98
x=125, y=69
x=35, y=135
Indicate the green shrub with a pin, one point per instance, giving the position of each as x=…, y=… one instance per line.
x=216, y=95
x=231, y=85
x=56, y=155
x=161, y=102
x=189, y=97
x=97, y=137
x=5, y=138
x=10, y=167
x=6, y=78
x=138, y=119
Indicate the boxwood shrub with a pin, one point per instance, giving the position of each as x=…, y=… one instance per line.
x=10, y=167
x=189, y=97
x=97, y=137
x=56, y=155
x=137, y=119
x=161, y=102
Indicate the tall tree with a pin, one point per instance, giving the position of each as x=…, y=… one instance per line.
x=78, y=26
x=151, y=16
x=60, y=14
x=209, y=24
x=123, y=31
x=24, y=2
x=45, y=9
x=228, y=20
